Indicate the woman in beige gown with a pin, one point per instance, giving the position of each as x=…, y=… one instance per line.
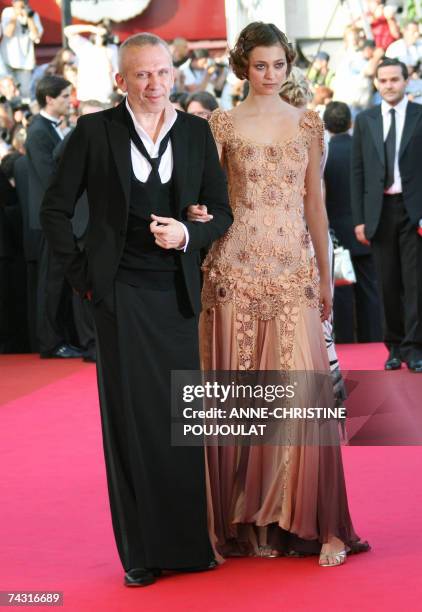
x=266, y=289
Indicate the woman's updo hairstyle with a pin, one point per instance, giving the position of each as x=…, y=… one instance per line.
x=258, y=34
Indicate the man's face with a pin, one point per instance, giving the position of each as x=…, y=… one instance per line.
x=368, y=52
x=196, y=108
x=19, y=6
x=8, y=87
x=147, y=77
x=411, y=34
x=391, y=84
x=60, y=106
x=201, y=63
x=180, y=49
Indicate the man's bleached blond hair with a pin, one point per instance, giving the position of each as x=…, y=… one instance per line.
x=144, y=39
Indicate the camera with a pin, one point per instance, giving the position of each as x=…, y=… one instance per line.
x=111, y=39
x=29, y=10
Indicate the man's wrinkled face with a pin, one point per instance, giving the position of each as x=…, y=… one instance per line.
x=147, y=76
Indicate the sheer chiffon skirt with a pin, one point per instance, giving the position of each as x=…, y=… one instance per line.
x=287, y=498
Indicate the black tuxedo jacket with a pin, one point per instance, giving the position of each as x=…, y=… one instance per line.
x=97, y=158
x=40, y=144
x=368, y=166
x=81, y=216
x=7, y=214
x=337, y=193
x=31, y=237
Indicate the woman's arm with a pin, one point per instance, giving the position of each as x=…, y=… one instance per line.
x=199, y=212
x=316, y=220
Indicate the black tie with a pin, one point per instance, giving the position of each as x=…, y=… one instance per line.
x=390, y=151
x=53, y=122
x=154, y=175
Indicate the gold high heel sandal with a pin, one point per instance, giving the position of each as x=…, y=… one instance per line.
x=339, y=558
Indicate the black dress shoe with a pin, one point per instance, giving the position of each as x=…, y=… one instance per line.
x=392, y=363
x=64, y=351
x=139, y=577
x=90, y=356
x=415, y=365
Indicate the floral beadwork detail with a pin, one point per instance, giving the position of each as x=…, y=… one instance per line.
x=264, y=267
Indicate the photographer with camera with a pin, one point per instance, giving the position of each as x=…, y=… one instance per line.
x=94, y=57
x=22, y=29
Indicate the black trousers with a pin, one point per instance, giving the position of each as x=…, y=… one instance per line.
x=54, y=301
x=397, y=250
x=84, y=322
x=31, y=303
x=62, y=317
x=13, y=325
x=357, y=307
x=157, y=492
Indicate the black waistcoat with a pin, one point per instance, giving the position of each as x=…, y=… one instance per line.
x=140, y=251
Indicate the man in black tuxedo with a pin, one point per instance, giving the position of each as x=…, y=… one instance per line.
x=387, y=207
x=32, y=240
x=54, y=297
x=82, y=308
x=8, y=253
x=356, y=307
x=142, y=164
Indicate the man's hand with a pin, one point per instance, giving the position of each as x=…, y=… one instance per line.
x=360, y=234
x=199, y=213
x=168, y=232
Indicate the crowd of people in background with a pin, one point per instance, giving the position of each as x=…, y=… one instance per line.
x=38, y=312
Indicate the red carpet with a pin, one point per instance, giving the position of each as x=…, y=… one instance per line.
x=55, y=529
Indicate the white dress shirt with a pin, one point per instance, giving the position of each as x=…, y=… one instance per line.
x=400, y=109
x=141, y=166
x=54, y=119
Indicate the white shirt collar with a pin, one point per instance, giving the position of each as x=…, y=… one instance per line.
x=170, y=116
x=400, y=108
x=49, y=117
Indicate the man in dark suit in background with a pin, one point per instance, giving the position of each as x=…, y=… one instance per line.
x=82, y=309
x=54, y=296
x=31, y=239
x=386, y=192
x=142, y=164
x=8, y=252
x=356, y=307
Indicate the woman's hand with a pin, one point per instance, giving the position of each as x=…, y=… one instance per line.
x=199, y=213
x=325, y=300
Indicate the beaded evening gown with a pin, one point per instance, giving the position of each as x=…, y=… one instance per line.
x=261, y=312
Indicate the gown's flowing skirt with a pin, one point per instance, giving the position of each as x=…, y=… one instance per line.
x=289, y=498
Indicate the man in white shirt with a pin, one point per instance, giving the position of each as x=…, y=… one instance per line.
x=409, y=48
x=386, y=193
x=22, y=29
x=94, y=58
